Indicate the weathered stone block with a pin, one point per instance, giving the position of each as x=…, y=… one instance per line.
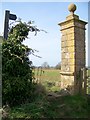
x=67, y=31
x=68, y=61
x=80, y=55
x=79, y=24
x=68, y=68
x=69, y=17
x=71, y=49
x=67, y=82
x=67, y=43
x=68, y=55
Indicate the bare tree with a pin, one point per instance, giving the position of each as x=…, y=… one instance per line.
x=45, y=65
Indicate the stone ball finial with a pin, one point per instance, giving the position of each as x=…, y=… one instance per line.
x=72, y=7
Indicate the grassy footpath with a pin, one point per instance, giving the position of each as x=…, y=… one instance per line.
x=44, y=106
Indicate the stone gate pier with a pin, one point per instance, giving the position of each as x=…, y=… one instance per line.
x=72, y=50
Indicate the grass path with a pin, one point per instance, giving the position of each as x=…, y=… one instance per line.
x=45, y=106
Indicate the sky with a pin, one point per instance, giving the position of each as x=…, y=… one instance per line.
x=46, y=16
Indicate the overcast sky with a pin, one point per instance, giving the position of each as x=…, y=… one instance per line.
x=46, y=15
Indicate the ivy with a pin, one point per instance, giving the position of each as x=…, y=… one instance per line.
x=17, y=72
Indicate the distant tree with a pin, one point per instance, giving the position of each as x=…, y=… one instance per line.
x=58, y=66
x=45, y=65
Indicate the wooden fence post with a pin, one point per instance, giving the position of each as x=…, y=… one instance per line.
x=80, y=81
x=88, y=82
x=85, y=80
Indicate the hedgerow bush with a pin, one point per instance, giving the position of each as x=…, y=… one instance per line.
x=17, y=72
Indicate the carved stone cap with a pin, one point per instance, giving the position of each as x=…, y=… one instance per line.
x=72, y=7
x=72, y=16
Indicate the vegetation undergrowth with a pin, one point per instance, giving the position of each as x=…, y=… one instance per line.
x=44, y=106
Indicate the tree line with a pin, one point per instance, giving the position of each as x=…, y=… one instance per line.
x=45, y=65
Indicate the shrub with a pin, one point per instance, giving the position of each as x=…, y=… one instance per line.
x=17, y=72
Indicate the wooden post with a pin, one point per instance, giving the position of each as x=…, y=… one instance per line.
x=80, y=81
x=85, y=81
x=6, y=24
x=88, y=82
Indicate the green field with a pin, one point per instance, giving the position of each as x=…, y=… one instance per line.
x=50, y=78
x=89, y=71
